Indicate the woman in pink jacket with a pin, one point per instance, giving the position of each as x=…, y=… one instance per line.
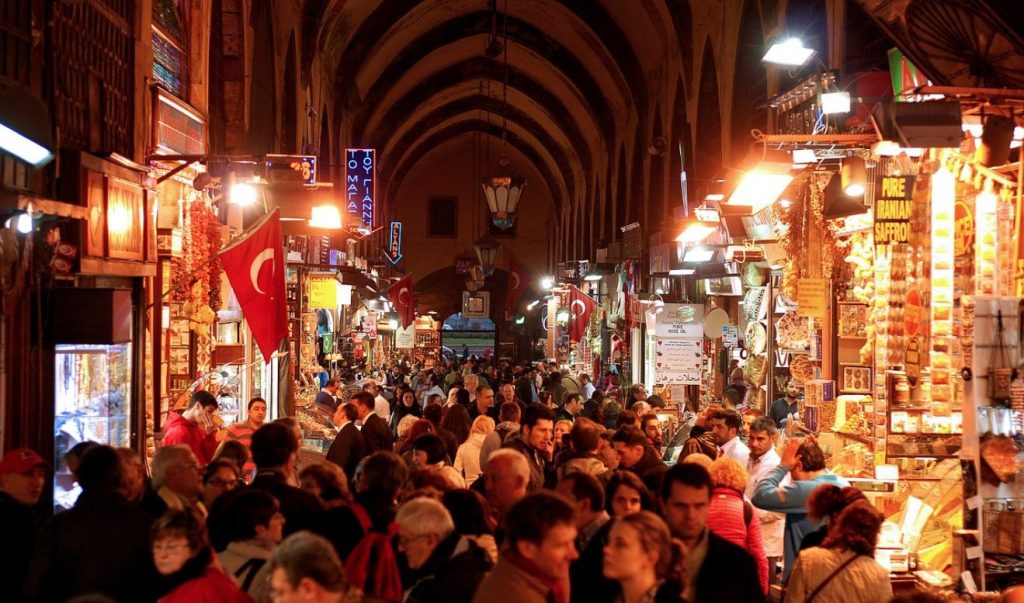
x=732, y=517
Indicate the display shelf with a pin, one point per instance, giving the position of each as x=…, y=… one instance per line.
x=922, y=456
x=857, y=438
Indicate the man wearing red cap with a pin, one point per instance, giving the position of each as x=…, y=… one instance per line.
x=22, y=477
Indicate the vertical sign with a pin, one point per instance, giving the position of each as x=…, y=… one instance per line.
x=893, y=207
x=393, y=252
x=361, y=183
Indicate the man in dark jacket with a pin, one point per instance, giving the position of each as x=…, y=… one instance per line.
x=637, y=456
x=449, y=566
x=22, y=477
x=434, y=413
x=526, y=387
x=348, y=447
x=535, y=442
x=375, y=431
x=100, y=546
x=275, y=451
x=717, y=570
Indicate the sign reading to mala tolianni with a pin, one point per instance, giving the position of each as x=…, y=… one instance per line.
x=894, y=207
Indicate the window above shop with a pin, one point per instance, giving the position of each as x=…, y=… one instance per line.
x=443, y=216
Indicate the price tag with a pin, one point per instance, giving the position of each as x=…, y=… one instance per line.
x=973, y=552
x=968, y=580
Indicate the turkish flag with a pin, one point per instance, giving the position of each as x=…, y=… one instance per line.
x=404, y=301
x=514, y=287
x=255, y=267
x=581, y=306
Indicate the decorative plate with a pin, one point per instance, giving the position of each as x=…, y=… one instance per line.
x=756, y=338
x=801, y=367
x=791, y=332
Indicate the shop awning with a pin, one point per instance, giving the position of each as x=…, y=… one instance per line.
x=365, y=287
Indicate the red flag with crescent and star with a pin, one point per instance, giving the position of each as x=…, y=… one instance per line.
x=581, y=306
x=514, y=287
x=404, y=301
x=255, y=267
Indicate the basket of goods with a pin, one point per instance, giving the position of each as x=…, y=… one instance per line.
x=793, y=332
x=998, y=454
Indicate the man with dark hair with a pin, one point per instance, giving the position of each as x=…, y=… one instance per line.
x=556, y=388
x=763, y=459
x=535, y=443
x=375, y=431
x=804, y=462
x=534, y=565
x=526, y=387
x=484, y=404
x=348, y=447
x=379, y=478
x=509, y=416
x=275, y=452
x=588, y=494
x=327, y=397
x=242, y=431
x=101, y=545
x=637, y=456
x=305, y=569
x=786, y=406
x=196, y=426
x=716, y=569
x=627, y=418
x=651, y=426
x=572, y=408
x=726, y=426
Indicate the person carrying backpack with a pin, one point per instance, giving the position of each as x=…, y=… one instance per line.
x=362, y=533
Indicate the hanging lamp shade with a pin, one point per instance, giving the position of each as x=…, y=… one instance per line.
x=487, y=248
x=503, y=194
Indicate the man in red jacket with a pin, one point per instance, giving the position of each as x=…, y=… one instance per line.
x=195, y=427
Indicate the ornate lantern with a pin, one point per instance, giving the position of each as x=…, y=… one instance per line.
x=502, y=194
x=487, y=248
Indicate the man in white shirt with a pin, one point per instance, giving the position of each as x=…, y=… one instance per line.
x=381, y=406
x=588, y=387
x=726, y=427
x=764, y=458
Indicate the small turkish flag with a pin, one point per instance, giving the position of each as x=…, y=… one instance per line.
x=255, y=267
x=514, y=288
x=404, y=301
x=581, y=306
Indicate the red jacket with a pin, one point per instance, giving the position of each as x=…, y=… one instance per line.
x=726, y=518
x=180, y=430
x=212, y=587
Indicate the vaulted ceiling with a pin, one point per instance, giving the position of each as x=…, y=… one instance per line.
x=408, y=75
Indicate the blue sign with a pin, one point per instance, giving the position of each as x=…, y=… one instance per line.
x=393, y=252
x=361, y=183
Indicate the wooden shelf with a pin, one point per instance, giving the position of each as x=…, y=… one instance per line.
x=857, y=438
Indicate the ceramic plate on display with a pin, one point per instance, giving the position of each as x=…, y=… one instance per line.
x=713, y=323
x=801, y=367
x=791, y=332
x=753, y=302
x=756, y=338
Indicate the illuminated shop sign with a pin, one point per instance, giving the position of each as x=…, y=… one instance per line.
x=361, y=183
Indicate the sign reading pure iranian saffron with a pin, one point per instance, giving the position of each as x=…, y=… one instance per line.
x=894, y=207
x=361, y=183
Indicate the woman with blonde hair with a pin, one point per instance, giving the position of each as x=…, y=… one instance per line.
x=844, y=563
x=732, y=517
x=644, y=559
x=467, y=459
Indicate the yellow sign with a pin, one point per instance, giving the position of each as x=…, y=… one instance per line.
x=811, y=297
x=323, y=293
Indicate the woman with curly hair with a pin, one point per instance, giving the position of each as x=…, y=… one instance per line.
x=844, y=563
x=732, y=517
x=644, y=559
x=825, y=504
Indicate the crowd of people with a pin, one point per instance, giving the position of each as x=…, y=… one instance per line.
x=471, y=484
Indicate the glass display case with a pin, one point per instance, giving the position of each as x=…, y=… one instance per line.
x=93, y=404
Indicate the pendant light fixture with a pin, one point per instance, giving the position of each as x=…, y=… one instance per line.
x=504, y=189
